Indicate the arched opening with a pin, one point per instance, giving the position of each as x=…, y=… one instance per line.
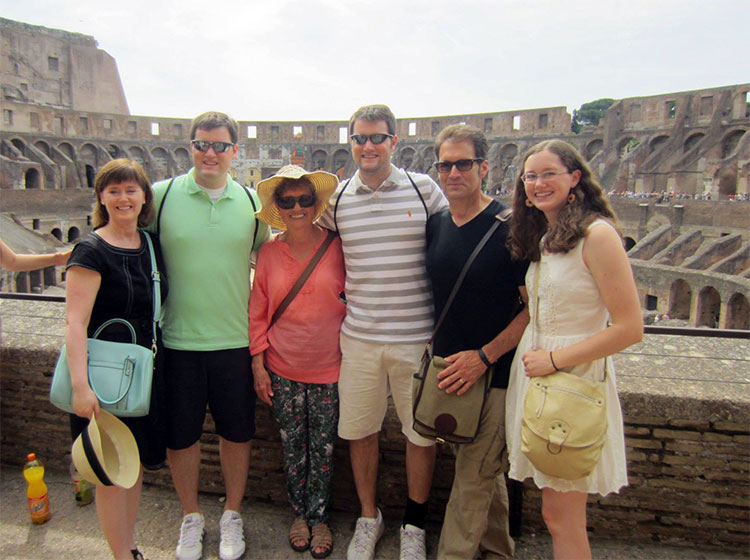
x=729, y=143
x=340, y=158
x=691, y=141
x=407, y=157
x=42, y=146
x=680, y=296
x=22, y=282
x=49, y=276
x=57, y=233
x=160, y=161
x=20, y=146
x=593, y=148
x=137, y=154
x=73, y=234
x=114, y=151
x=709, y=307
x=67, y=149
x=90, y=176
x=36, y=286
x=625, y=146
x=182, y=157
x=657, y=143
x=738, y=312
x=32, y=179
x=629, y=243
x=318, y=160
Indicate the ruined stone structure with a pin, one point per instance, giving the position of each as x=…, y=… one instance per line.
x=65, y=115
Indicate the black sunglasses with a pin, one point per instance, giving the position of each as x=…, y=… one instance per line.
x=204, y=145
x=378, y=138
x=288, y=202
x=461, y=165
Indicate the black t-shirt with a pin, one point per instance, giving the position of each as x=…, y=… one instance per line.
x=126, y=287
x=488, y=298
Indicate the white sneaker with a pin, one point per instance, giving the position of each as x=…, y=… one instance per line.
x=412, y=543
x=366, y=536
x=232, y=544
x=190, y=546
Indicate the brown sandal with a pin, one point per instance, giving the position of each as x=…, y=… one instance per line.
x=321, y=538
x=299, y=531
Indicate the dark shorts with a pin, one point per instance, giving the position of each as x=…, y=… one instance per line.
x=221, y=379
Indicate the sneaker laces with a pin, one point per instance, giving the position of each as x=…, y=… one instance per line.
x=412, y=544
x=364, y=534
x=231, y=530
x=191, y=533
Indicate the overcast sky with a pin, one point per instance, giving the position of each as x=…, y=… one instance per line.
x=321, y=59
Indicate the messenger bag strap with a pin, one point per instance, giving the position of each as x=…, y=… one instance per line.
x=499, y=218
x=330, y=235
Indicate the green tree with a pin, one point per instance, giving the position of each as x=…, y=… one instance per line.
x=589, y=114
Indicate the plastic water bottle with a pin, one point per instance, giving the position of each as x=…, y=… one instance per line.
x=37, y=490
x=84, y=491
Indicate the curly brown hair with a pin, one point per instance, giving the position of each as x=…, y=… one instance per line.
x=529, y=223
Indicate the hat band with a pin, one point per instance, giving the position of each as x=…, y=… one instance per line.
x=93, y=460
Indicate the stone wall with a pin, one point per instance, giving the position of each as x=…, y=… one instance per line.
x=688, y=459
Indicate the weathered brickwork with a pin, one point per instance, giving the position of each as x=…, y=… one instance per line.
x=688, y=461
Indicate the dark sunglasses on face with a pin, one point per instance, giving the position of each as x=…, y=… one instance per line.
x=288, y=202
x=378, y=138
x=461, y=165
x=204, y=145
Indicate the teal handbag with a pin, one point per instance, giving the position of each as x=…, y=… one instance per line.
x=120, y=374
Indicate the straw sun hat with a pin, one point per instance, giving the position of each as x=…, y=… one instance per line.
x=323, y=182
x=106, y=452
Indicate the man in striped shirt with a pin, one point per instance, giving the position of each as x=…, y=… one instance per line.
x=380, y=214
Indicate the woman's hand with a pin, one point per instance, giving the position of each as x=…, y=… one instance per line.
x=537, y=363
x=261, y=380
x=85, y=402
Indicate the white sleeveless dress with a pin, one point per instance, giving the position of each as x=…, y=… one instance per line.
x=570, y=310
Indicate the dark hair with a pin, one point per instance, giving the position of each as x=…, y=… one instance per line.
x=374, y=113
x=214, y=119
x=529, y=223
x=288, y=183
x=463, y=133
x=120, y=171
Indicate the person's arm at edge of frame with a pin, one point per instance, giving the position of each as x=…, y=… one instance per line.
x=82, y=285
x=258, y=320
x=22, y=263
x=608, y=263
x=469, y=363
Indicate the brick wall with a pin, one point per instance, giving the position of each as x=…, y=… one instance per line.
x=688, y=461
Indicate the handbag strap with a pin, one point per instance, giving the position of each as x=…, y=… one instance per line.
x=303, y=277
x=156, y=278
x=499, y=218
x=536, y=307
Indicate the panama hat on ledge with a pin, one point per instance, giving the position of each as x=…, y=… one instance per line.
x=106, y=452
x=323, y=182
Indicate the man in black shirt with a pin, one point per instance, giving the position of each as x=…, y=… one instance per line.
x=481, y=329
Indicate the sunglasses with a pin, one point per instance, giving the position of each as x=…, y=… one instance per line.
x=204, y=145
x=461, y=165
x=288, y=202
x=378, y=138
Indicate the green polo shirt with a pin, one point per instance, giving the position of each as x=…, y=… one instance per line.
x=206, y=248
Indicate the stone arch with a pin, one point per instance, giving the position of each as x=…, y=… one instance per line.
x=67, y=149
x=89, y=154
x=73, y=234
x=657, y=142
x=137, y=154
x=340, y=159
x=57, y=234
x=507, y=154
x=406, y=157
x=318, y=159
x=709, y=308
x=182, y=157
x=42, y=146
x=428, y=159
x=593, y=148
x=32, y=179
x=114, y=151
x=691, y=141
x=738, y=312
x=626, y=145
x=730, y=141
x=20, y=145
x=160, y=160
x=629, y=243
x=680, y=296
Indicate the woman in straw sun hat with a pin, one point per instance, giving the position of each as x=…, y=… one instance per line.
x=296, y=358
x=109, y=276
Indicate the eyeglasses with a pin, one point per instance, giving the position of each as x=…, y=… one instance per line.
x=531, y=178
x=204, y=145
x=461, y=165
x=288, y=202
x=378, y=138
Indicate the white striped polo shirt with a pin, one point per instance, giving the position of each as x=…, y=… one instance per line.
x=388, y=294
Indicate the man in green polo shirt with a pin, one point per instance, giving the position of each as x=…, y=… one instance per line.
x=207, y=230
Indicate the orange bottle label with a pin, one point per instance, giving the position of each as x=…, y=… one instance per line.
x=39, y=508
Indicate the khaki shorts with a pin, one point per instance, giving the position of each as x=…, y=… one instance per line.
x=369, y=371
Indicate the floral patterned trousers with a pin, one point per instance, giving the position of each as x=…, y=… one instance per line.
x=307, y=414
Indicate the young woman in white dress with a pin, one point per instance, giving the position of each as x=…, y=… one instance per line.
x=587, y=310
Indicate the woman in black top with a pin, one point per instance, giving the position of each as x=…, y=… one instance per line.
x=109, y=276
